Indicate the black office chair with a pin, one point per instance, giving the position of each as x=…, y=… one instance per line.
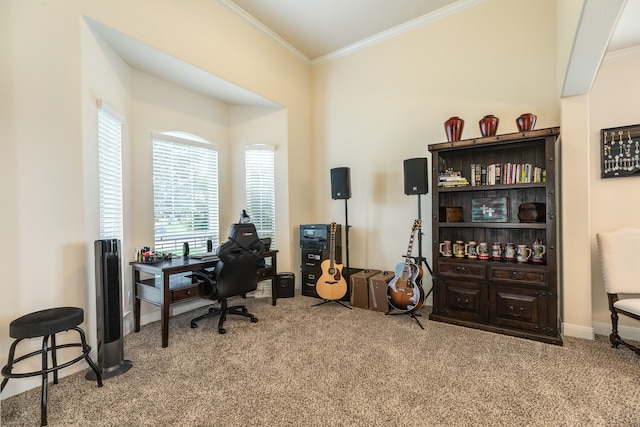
x=234, y=275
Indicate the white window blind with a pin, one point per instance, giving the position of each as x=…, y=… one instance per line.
x=185, y=193
x=110, y=172
x=260, y=192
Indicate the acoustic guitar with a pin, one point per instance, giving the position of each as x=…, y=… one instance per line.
x=331, y=285
x=405, y=291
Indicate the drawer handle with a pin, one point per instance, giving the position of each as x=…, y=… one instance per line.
x=460, y=304
x=460, y=270
x=516, y=314
x=188, y=292
x=517, y=275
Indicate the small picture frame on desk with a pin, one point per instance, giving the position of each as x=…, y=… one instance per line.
x=620, y=151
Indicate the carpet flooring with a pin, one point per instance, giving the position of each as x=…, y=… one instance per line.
x=331, y=366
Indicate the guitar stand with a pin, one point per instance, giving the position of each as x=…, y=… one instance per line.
x=410, y=313
x=331, y=300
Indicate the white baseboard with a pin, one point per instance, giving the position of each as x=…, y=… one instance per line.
x=577, y=331
x=626, y=332
x=599, y=328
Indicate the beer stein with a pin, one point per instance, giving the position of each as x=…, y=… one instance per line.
x=538, y=251
x=510, y=252
x=496, y=251
x=483, y=250
x=445, y=248
x=523, y=253
x=470, y=250
x=458, y=249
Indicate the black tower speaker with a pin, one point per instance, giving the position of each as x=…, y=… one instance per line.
x=416, y=178
x=340, y=183
x=109, y=310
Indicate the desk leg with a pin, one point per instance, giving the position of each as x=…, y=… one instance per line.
x=136, y=300
x=274, y=290
x=165, y=310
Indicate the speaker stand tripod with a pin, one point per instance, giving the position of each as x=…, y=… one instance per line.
x=419, y=261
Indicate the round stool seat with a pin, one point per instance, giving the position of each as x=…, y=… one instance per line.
x=46, y=322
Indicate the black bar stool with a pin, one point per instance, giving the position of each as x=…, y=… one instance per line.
x=46, y=324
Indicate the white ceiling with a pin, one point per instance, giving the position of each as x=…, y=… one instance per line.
x=317, y=28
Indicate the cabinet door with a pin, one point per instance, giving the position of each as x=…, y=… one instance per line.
x=521, y=308
x=465, y=300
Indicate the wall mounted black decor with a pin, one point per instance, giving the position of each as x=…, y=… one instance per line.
x=620, y=151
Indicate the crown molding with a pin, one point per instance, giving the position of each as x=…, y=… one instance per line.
x=397, y=30
x=260, y=26
x=622, y=55
x=384, y=35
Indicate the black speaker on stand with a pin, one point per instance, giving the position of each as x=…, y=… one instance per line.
x=341, y=189
x=416, y=181
x=109, y=311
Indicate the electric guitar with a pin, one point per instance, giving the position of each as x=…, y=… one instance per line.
x=404, y=291
x=331, y=285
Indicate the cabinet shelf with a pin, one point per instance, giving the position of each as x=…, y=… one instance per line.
x=512, y=225
x=468, y=188
x=518, y=299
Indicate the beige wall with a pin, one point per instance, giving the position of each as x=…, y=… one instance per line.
x=614, y=203
x=388, y=102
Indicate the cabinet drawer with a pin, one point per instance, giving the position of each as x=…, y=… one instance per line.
x=466, y=300
x=520, y=275
x=463, y=270
x=524, y=309
x=185, y=292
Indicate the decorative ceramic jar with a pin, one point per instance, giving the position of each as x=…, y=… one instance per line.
x=489, y=125
x=526, y=121
x=453, y=128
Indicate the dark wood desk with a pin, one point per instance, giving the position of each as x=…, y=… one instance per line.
x=172, y=286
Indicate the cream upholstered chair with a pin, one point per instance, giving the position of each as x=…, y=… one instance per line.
x=621, y=274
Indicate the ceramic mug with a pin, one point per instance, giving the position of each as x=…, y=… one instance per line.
x=496, y=251
x=445, y=248
x=470, y=250
x=458, y=249
x=510, y=252
x=483, y=250
x=523, y=253
x=538, y=252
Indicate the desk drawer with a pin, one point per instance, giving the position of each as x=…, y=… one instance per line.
x=265, y=273
x=185, y=293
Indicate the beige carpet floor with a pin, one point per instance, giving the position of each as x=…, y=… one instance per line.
x=330, y=366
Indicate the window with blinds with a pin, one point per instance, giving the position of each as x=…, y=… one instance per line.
x=185, y=192
x=110, y=172
x=260, y=192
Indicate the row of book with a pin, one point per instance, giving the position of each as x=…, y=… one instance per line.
x=506, y=173
x=451, y=178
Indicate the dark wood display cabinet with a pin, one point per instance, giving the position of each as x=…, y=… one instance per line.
x=502, y=190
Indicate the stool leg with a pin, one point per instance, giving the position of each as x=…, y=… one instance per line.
x=45, y=382
x=86, y=349
x=9, y=367
x=54, y=359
